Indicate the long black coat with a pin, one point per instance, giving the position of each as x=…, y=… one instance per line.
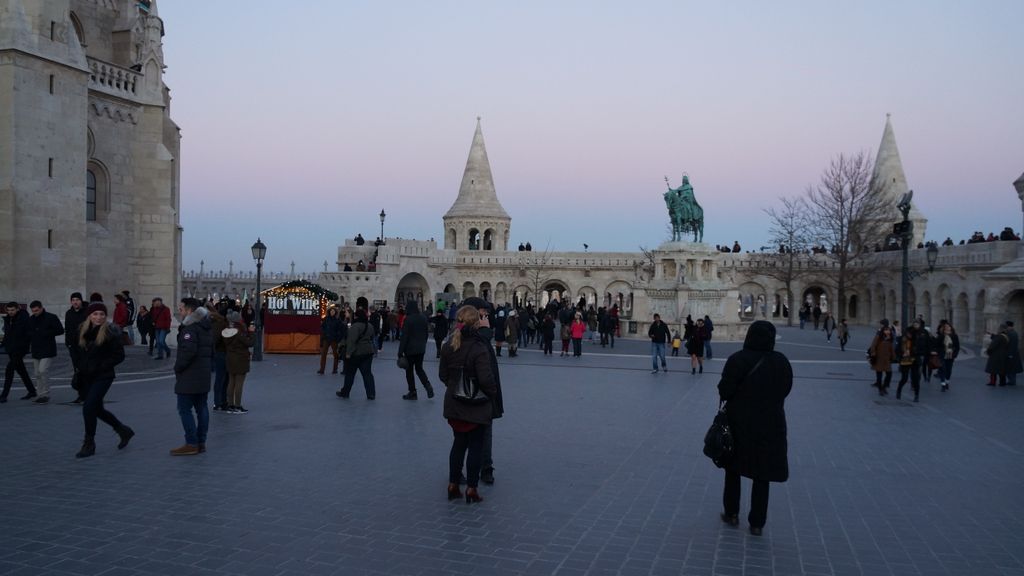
x=1013, y=363
x=44, y=330
x=17, y=335
x=414, y=332
x=755, y=405
x=195, y=354
x=98, y=361
x=998, y=354
x=473, y=356
x=73, y=320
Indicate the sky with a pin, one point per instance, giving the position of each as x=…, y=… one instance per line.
x=301, y=121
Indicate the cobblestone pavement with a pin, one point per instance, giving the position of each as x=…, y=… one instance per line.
x=598, y=464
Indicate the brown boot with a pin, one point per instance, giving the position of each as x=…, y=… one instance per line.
x=185, y=450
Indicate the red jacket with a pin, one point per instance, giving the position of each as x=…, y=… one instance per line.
x=121, y=314
x=161, y=318
x=578, y=329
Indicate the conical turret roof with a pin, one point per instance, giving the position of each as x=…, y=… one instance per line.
x=889, y=169
x=477, y=197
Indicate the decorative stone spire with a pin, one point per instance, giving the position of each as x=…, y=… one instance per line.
x=477, y=221
x=1018, y=184
x=889, y=173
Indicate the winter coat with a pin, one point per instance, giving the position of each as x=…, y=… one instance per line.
x=1013, y=363
x=497, y=403
x=360, y=340
x=440, y=326
x=161, y=318
x=17, y=334
x=578, y=329
x=217, y=325
x=547, y=329
x=97, y=362
x=414, y=332
x=882, y=353
x=195, y=354
x=659, y=333
x=512, y=328
x=237, y=349
x=755, y=405
x=939, y=346
x=566, y=332
x=330, y=329
x=998, y=354
x=144, y=322
x=695, y=345
x=473, y=357
x=121, y=314
x=73, y=320
x=44, y=330
x=498, y=323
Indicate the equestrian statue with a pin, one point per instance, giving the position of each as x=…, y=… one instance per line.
x=684, y=211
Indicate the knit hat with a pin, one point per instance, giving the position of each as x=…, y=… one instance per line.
x=97, y=307
x=76, y=295
x=234, y=316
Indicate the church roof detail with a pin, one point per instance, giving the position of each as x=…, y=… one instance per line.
x=477, y=196
x=889, y=169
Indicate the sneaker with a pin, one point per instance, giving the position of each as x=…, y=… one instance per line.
x=78, y=400
x=409, y=396
x=487, y=475
x=219, y=408
x=29, y=396
x=239, y=410
x=185, y=450
x=42, y=400
x=655, y=371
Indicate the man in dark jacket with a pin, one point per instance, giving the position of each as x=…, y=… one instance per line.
x=754, y=385
x=659, y=335
x=330, y=338
x=497, y=406
x=17, y=342
x=1013, y=362
x=44, y=328
x=413, y=345
x=132, y=313
x=220, y=356
x=192, y=375
x=73, y=320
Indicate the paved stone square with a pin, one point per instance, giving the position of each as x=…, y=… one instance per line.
x=598, y=464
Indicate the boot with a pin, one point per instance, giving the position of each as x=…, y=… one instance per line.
x=693, y=371
x=899, y=391
x=409, y=396
x=499, y=353
x=701, y=369
x=126, y=434
x=88, y=448
x=185, y=450
x=430, y=389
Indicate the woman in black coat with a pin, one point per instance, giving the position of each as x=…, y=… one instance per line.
x=998, y=356
x=467, y=355
x=101, y=351
x=754, y=386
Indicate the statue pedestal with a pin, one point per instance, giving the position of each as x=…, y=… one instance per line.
x=688, y=247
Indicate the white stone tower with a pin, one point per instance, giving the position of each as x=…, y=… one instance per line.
x=889, y=173
x=477, y=221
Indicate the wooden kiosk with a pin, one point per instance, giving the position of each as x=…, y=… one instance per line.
x=291, y=323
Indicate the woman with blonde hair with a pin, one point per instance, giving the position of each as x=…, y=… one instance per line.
x=101, y=351
x=470, y=385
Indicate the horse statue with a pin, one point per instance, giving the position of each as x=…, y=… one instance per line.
x=686, y=214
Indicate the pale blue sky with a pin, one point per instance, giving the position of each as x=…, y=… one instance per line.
x=301, y=121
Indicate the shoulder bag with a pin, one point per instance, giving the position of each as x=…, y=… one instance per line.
x=719, y=444
x=467, y=388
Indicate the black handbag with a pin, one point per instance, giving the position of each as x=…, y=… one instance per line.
x=719, y=444
x=403, y=362
x=467, y=389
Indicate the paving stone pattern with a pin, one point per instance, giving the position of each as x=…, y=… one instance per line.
x=599, y=472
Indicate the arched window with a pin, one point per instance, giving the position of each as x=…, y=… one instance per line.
x=79, y=31
x=90, y=196
x=474, y=239
x=488, y=239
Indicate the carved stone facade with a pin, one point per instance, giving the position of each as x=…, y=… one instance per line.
x=88, y=152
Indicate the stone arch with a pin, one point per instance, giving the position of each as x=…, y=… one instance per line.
x=620, y=293
x=97, y=189
x=926, y=308
x=79, y=30
x=504, y=243
x=554, y=290
x=852, y=305
x=589, y=295
x=488, y=239
x=473, y=239
x=961, y=312
x=944, y=303
x=753, y=298
x=521, y=296
x=412, y=286
x=450, y=289
x=816, y=295
x=500, y=293
x=468, y=290
x=486, y=292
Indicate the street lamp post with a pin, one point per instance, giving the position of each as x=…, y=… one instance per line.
x=259, y=252
x=382, y=216
x=905, y=231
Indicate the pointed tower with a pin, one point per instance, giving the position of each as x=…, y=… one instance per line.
x=477, y=221
x=889, y=174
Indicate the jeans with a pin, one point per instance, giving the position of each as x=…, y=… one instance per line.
x=415, y=365
x=195, y=427
x=473, y=442
x=42, y=369
x=707, y=349
x=326, y=345
x=947, y=370
x=220, y=379
x=16, y=363
x=161, y=343
x=130, y=330
x=914, y=373
x=758, y=499
x=657, y=351
x=92, y=406
x=577, y=346
x=364, y=364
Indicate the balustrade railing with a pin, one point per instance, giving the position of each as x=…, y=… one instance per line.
x=113, y=79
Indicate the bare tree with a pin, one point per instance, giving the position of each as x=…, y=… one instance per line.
x=646, y=267
x=536, y=268
x=790, y=231
x=850, y=213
